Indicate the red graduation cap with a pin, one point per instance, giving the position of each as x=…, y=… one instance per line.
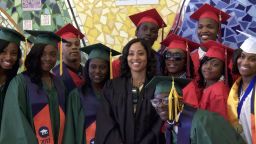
x=208, y=11
x=174, y=41
x=69, y=31
x=148, y=16
x=219, y=51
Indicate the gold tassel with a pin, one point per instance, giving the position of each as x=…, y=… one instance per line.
x=110, y=65
x=25, y=53
x=173, y=99
x=61, y=69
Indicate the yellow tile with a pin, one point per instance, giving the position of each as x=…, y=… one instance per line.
x=101, y=38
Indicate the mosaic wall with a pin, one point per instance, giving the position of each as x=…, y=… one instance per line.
x=56, y=9
x=243, y=17
x=107, y=23
x=100, y=20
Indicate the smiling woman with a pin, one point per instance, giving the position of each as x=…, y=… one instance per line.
x=36, y=96
x=10, y=55
x=83, y=102
x=126, y=114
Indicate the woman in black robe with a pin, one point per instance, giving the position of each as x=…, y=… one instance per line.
x=126, y=114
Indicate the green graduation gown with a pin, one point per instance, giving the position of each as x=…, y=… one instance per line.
x=17, y=120
x=209, y=128
x=74, y=126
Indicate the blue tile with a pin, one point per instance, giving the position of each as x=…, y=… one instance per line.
x=252, y=11
x=228, y=32
x=247, y=18
x=253, y=29
x=233, y=21
x=231, y=38
x=226, y=1
x=248, y=8
x=253, y=1
x=231, y=6
x=253, y=24
x=239, y=13
x=243, y=24
x=240, y=7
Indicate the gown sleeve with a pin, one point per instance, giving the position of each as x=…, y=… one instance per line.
x=74, y=125
x=211, y=128
x=17, y=119
x=215, y=101
x=107, y=131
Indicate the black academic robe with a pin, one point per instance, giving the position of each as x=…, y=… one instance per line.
x=116, y=121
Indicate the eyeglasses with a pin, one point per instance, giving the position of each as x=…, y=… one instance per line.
x=173, y=56
x=157, y=101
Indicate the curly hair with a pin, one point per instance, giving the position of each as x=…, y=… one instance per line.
x=236, y=55
x=151, y=59
x=87, y=77
x=12, y=72
x=201, y=81
x=33, y=63
x=191, y=66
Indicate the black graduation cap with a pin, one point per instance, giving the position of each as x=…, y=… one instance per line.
x=99, y=51
x=45, y=37
x=11, y=35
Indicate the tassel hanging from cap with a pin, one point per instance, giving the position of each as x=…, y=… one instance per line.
x=61, y=69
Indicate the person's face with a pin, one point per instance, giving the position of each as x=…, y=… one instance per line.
x=212, y=69
x=160, y=103
x=9, y=56
x=148, y=31
x=48, y=58
x=98, y=70
x=175, y=60
x=137, y=57
x=71, y=52
x=207, y=29
x=246, y=64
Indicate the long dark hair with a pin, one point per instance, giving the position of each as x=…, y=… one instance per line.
x=12, y=72
x=33, y=63
x=191, y=66
x=151, y=61
x=87, y=77
x=201, y=81
x=236, y=55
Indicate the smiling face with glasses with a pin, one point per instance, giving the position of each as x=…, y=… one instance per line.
x=175, y=61
x=160, y=103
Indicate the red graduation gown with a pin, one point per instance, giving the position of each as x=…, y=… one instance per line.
x=196, y=61
x=214, y=98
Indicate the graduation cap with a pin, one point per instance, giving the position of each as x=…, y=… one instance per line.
x=47, y=37
x=167, y=84
x=11, y=35
x=100, y=51
x=69, y=31
x=249, y=44
x=151, y=16
x=176, y=42
x=219, y=51
x=208, y=11
x=148, y=16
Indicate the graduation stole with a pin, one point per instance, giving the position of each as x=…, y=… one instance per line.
x=38, y=100
x=90, y=121
x=234, y=106
x=71, y=79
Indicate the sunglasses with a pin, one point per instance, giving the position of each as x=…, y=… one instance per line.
x=173, y=56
